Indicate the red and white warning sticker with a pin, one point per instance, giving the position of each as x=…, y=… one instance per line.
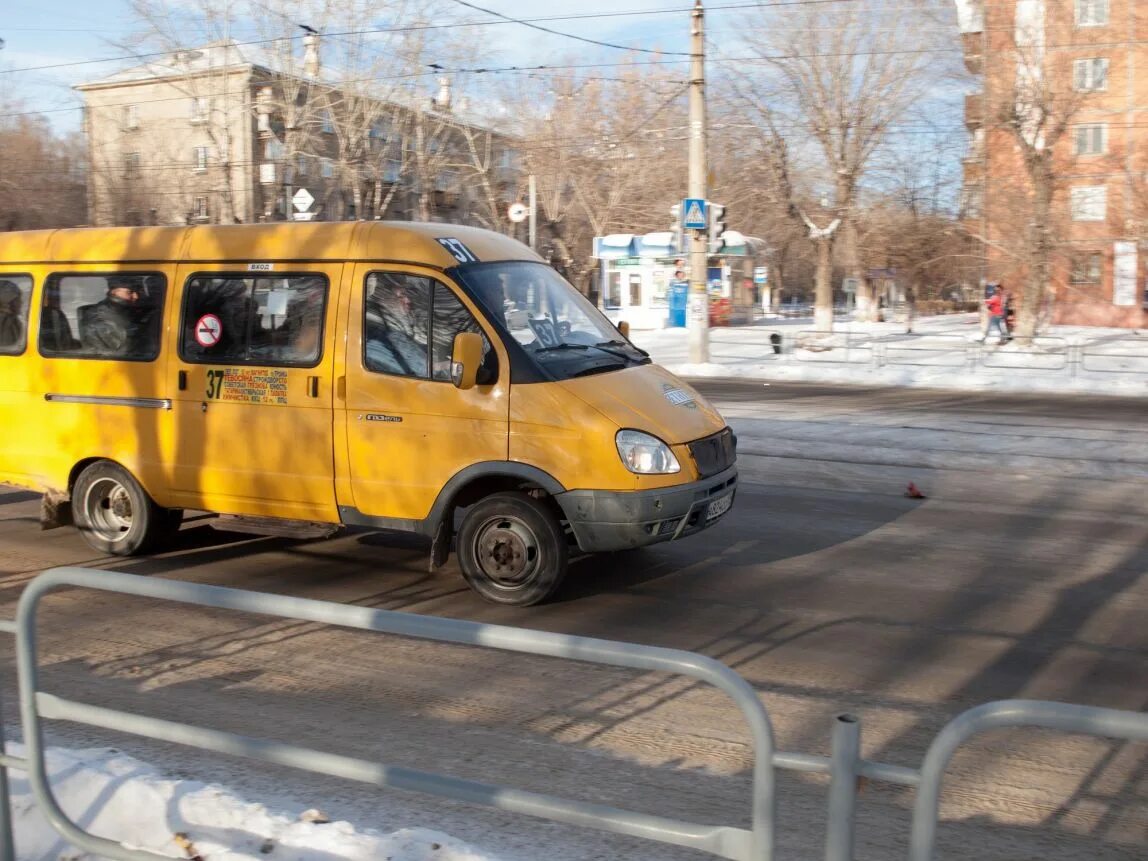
x=208, y=330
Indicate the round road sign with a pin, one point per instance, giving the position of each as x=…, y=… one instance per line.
x=517, y=212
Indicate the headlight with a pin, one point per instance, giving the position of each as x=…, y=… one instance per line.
x=645, y=454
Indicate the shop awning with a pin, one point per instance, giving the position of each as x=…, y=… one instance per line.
x=660, y=244
x=614, y=246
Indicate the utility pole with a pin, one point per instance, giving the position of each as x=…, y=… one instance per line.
x=698, y=322
x=533, y=227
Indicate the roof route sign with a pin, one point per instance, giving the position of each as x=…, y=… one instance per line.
x=302, y=200
x=694, y=213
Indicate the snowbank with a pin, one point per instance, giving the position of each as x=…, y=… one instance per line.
x=113, y=795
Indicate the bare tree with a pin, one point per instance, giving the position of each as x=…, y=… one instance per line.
x=1033, y=112
x=41, y=174
x=825, y=75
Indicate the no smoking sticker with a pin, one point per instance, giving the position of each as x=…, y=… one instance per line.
x=208, y=330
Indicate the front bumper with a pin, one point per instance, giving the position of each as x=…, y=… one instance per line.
x=604, y=520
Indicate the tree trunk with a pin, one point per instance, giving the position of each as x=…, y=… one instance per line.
x=1040, y=244
x=823, y=298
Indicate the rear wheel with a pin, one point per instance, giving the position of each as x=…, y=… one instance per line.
x=512, y=549
x=114, y=513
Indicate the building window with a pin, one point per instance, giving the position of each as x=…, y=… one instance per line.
x=326, y=168
x=1091, y=13
x=635, y=291
x=392, y=169
x=1087, y=268
x=1090, y=74
x=971, y=197
x=131, y=165
x=198, y=110
x=1091, y=139
x=301, y=165
x=201, y=211
x=326, y=124
x=131, y=117
x=200, y=159
x=1089, y=203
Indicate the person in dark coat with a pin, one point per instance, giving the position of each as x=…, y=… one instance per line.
x=11, y=320
x=108, y=328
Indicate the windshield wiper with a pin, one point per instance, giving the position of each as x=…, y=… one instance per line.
x=562, y=347
x=599, y=369
x=617, y=343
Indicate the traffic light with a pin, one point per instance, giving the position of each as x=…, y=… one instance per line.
x=717, y=223
x=676, y=227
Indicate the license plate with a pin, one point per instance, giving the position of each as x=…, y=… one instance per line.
x=719, y=507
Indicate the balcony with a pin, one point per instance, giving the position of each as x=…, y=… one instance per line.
x=974, y=111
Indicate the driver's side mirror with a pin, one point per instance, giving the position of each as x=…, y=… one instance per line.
x=466, y=357
x=624, y=328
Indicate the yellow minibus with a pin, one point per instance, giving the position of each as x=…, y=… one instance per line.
x=299, y=378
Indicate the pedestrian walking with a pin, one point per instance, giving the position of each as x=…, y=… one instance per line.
x=910, y=309
x=995, y=306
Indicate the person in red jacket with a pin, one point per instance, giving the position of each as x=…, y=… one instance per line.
x=995, y=306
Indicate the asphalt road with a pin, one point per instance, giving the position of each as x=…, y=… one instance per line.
x=1021, y=575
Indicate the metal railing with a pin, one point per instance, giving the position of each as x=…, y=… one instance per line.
x=1115, y=356
x=1045, y=354
x=844, y=766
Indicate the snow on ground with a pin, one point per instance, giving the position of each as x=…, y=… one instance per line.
x=113, y=795
x=942, y=352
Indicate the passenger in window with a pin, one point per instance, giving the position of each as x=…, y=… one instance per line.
x=398, y=326
x=108, y=328
x=55, y=330
x=11, y=319
x=305, y=323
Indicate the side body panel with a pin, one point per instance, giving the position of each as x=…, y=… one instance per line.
x=405, y=438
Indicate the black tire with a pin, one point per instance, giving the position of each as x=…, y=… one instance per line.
x=512, y=549
x=114, y=514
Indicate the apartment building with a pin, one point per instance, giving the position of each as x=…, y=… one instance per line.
x=208, y=136
x=1066, y=79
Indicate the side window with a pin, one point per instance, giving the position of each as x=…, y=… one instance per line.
x=15, y=298
x=396, y=324
x=116, y=316
x=254, y=320
x=451, y=318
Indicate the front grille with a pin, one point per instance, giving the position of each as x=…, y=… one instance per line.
x=714, y=453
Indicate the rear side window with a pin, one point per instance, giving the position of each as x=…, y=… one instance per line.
x=15, y=299
x=249, y=320
x=115, y=316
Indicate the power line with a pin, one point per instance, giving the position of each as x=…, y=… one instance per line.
x=453, y=25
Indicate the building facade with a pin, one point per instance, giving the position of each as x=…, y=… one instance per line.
x=1061, y=119
x=207, y=136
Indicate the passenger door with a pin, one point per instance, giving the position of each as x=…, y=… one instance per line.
x=254, y=377
x=408, y=430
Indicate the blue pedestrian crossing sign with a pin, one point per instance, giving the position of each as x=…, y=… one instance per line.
x=694, y=214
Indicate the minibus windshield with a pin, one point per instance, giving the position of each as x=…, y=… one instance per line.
x=554, y=323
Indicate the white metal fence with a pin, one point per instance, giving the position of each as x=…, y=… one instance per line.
x=844, y=766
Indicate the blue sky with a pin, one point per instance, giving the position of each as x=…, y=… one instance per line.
x=76, y=32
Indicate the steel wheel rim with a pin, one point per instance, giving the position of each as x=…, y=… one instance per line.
x=507, y=551
x=108, y=505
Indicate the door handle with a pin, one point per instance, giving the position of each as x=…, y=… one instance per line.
x=313, y=387
x=183, y=381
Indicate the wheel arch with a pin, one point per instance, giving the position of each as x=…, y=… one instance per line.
x=480, y=480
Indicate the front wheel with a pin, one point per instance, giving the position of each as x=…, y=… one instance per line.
x=114, y=514
x=512, y=549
